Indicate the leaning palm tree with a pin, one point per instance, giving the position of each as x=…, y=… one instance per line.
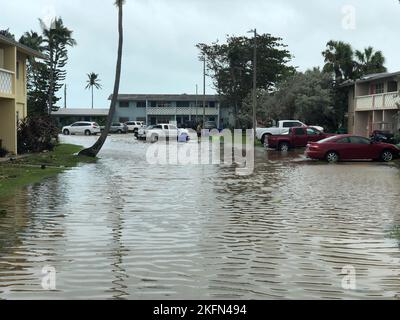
x=95, y=149
x=93, y=82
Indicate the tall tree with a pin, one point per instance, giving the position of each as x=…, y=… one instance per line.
x=339, y=60
x=230, y=65
x=37, y=76
x=307, y=96
x=95, y=149
x=370, y=61
x=93, y=82
x=56, y=39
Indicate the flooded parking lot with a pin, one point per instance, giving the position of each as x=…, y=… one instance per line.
x=122, y=228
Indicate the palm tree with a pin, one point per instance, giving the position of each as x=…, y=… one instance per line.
x=339, y=60
x=370, y=61
x=93, y=82
x=95, y=149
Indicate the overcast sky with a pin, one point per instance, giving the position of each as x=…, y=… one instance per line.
x=160, y=36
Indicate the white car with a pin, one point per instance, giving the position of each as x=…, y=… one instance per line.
x=82, y=127
x=160, y=131
x=283, y=127
x=134, y=126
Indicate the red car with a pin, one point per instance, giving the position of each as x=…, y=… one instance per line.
x=349, y=147
x=295, y=138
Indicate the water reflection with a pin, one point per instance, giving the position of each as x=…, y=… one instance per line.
x=122, y=229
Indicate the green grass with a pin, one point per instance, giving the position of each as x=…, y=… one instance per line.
x=26, y=171
x=394, y=233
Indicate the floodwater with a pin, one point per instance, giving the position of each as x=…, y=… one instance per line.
x=124, y=229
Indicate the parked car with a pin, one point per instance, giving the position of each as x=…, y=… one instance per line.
x=134, y=126
x=142, y=132
x=159, y=131
x=282, y=127
x=295, y=138
x=117, y=127
x=349, y=147
x=383, y=136
x=82, y=127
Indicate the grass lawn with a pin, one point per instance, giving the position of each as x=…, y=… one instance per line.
x=25, y=171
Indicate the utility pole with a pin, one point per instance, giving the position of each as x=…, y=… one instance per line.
x=204, y=90
x=197, y=102
x=255, y=83
x=65, y=96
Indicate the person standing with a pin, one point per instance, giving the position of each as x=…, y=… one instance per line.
x=199, y=129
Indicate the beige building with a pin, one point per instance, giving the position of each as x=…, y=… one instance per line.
x=13, y=98
x=373, y=104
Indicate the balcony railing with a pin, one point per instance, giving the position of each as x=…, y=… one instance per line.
x=6, y=82
x=377, y=101
x=165, y=111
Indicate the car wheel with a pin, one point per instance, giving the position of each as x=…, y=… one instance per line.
x=87, y=133
x=154, y=138
x=284, y=147
x=66, y=132
x=332, y=157
x=387, y=156
x=265, y=136
x=119, y=131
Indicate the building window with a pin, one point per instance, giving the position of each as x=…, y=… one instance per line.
x=212, y=104
x=141, y=104
x=163, y=104
x=123, y=120
x=182, y=104
x=392, y=86
x=379, y=88
x=124, y=104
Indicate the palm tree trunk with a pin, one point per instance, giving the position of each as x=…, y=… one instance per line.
x=95, y=149
x=92, y=97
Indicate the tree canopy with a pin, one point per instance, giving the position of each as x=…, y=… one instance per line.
x=346, y=64
x=231, y=68
x=46, y=78
x=305, y=96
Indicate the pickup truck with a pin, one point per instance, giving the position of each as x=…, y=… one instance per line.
x=263, y=133
x=295, y=137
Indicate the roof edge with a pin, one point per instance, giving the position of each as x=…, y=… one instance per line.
x=23, y=48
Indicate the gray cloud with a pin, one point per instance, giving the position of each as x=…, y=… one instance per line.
x=160, y=36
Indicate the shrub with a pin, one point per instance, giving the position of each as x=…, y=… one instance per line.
x=3, y=152
x=36, y=134
x=397, y=137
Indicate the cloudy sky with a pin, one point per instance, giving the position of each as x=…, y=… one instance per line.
x=160, y=36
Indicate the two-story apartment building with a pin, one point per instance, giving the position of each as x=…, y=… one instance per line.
x=13, y=96
x=165, y=108
x=373, y=103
